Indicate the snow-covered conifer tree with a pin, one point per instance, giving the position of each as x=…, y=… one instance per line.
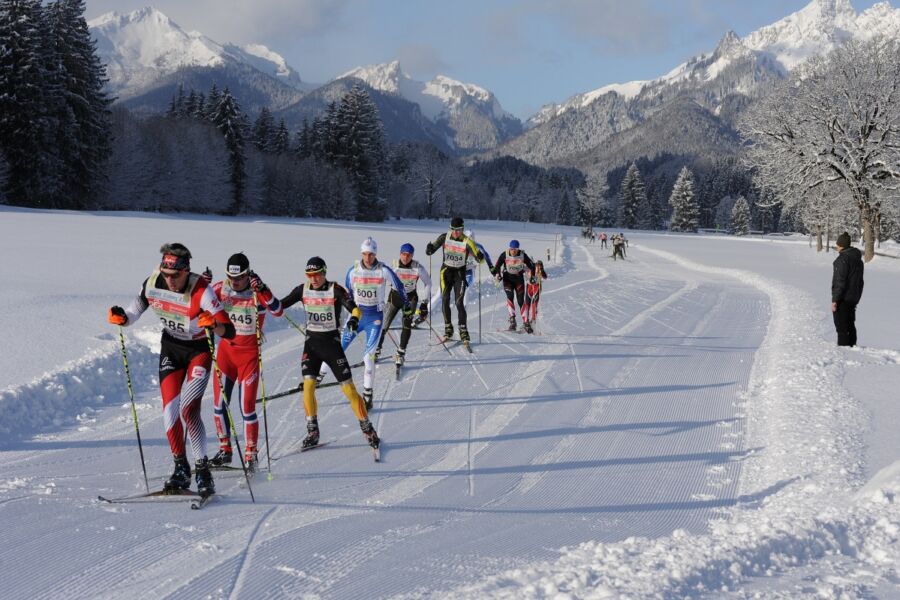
x=592, y=200
x=227, y=117
x=26, y=123
x=635, y=210
x=685, y=208
x=740, y=217
x=264, y=130
x=360, y=151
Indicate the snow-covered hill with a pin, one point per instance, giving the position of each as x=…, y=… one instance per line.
x=143, y=47
x=473, y=115
x=815, y=29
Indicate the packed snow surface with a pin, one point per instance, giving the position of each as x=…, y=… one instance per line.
x=680, y=425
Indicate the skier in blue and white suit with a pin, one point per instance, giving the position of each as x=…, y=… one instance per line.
x=471, y=265
x=366, y=281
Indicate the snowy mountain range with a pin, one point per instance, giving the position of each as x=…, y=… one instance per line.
x=145, y=46
x=472, y=113
x=147, y=55
x=817, y=28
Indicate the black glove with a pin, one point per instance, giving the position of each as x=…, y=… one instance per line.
x=407, y=309
x=479, y=256
x=257, y=284
x=353, y=323
x=423, y=311
x=429, y=249
x=207, y=275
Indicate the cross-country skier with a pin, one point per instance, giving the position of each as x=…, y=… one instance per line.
x=366, y=281
x=618, y=243
x=246, y=299
x=187, y=307
x=456, y=248
x=323, y=300
x=471, y=265
x=410, y=272
x=533, y=294
x=510, y=269
x=602, y=240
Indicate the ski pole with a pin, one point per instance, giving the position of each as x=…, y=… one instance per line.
x=479, y=303
x=297, y=327
x=440, y=339
x=391, y=335
x=137, y=429
x=440, y=287
x=262, y=384
x=237, y=443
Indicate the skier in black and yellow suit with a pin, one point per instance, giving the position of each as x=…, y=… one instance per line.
x=457, y=248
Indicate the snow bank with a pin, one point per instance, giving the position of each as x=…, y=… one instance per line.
x=58, y=397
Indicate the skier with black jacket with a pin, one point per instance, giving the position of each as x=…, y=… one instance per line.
x=456, y=248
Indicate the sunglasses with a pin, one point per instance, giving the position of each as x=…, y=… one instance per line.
x=238, y=277
x=174, y=275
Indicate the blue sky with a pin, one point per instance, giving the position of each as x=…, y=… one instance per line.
x=528, y=52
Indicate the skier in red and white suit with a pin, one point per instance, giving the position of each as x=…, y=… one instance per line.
x=187, y=307
x=246, y=299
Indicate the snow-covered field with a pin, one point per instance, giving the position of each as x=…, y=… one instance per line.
x=681, y=426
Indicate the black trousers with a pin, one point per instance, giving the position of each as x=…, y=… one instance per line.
x=453, y=280
x=845, y=323
x=391, y=308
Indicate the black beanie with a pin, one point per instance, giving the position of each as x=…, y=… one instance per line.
x=237, y=265
x=456, y=223
x=844, y=240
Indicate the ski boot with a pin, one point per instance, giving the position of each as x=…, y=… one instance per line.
x=527, y=326
x=366, y=426
x=252, y=461
x=512, y=323
x=448, y=332
x=312, y=433
x=400, y=357
x=369, y=398
x=464, y=334
x=222, y=457
x=205, y=485
x=181, y=477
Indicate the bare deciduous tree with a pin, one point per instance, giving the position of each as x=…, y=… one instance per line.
x=836, y=119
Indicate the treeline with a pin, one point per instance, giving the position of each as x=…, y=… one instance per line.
x=205, y=150
x=54, y=115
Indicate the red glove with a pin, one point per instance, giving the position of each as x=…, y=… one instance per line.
x=117, y=315
x=206, y=320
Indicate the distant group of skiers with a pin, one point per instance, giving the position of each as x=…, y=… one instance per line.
x=194, y=310
x=619, y=242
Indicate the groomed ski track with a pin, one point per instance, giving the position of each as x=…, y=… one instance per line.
x=622, y=418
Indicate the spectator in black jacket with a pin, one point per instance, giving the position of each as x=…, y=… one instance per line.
x=846, y=289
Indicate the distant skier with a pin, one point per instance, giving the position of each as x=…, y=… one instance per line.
x=846, y=289
x=323, y=300
x=618, y=246
x=510, y=269
x=456, y=248
x=187, y=308
x=246, y=299
x=533, y=294
x=603, y=240
x=366, y=281
x=410, y=273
